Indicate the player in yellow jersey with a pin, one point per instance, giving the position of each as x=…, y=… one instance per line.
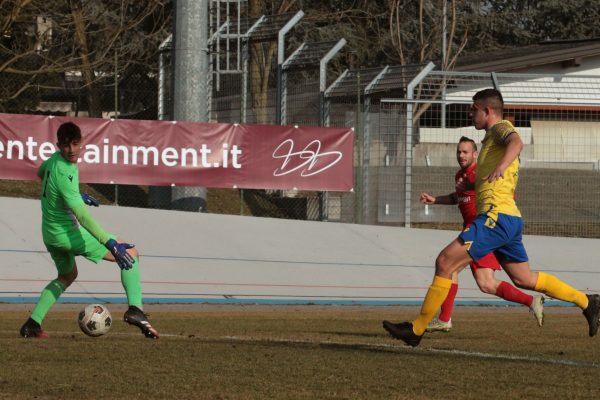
x=497, y=228
x=69, y=230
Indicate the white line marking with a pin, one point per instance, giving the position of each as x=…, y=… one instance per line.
x=403, y=348
x=355, y=345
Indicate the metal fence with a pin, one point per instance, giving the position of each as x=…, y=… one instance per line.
x=557, y=116
x=407, y=121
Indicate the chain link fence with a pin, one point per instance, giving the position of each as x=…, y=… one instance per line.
x=407, y=122
x=406, y=139
x=558, y=118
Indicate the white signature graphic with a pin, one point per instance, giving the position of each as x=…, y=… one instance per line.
x=310, y=154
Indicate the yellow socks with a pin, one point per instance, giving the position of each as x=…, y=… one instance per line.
x=433, y=300
x=557, y=289
x=440, y=287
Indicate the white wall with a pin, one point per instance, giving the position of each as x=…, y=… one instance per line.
x=189, y=257
x=589, y=66
x=453, y=135
x=570, y=141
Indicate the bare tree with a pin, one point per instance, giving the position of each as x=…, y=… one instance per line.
x=417, y=34
x=262, y=56
x=100, y=41
x=416, y=31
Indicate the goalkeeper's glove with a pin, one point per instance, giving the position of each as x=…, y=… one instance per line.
x=89, y=200
x=119, y=251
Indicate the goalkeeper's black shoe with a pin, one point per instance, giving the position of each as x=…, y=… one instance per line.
x=32, y=329
x=403, y=331
x=135, y=316
x=592, y=313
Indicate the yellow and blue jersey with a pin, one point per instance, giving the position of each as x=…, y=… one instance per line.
x=497, y=196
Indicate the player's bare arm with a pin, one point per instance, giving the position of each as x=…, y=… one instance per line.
x=449, y=199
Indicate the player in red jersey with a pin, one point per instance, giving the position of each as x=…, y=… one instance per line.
x=483, y=270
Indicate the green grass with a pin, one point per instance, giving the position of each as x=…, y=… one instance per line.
x=220, y=201
x=301, y=352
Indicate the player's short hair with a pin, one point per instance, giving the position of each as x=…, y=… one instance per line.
x=465, y=139
x=491, y=98
x=68, y=132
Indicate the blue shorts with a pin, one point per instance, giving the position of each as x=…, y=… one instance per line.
x=502, y=236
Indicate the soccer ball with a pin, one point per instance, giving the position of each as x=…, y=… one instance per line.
x=95, y=320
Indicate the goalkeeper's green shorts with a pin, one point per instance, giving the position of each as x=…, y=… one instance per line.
x=80, y=243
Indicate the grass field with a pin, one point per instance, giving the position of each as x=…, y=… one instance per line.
x=220, y=201
x=301, y=352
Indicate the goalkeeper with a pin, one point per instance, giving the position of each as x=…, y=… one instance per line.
x=68, y=230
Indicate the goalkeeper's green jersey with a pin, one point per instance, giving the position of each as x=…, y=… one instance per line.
x=62, y=206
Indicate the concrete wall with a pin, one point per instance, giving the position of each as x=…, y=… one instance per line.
x=192, y=257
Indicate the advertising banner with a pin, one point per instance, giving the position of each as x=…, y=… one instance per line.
x=170, y=153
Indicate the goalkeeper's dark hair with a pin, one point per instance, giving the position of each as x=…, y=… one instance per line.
x=465, y=139
x=68, y=132
x=491, y=98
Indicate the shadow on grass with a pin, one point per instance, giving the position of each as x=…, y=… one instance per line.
x=355, y=334
x=303, y=344
x=398, y=348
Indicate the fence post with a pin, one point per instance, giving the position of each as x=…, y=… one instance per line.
x=410, y=89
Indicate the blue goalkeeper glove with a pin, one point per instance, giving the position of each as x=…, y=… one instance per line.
x=89, y=200
x=119, y=251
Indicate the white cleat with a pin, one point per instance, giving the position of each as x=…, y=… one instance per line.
x=537, y=308
x=439, y=326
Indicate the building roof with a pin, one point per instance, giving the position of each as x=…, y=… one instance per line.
x=568, y=52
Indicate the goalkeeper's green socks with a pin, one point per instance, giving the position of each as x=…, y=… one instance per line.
x=48, y=297
x=131, y=280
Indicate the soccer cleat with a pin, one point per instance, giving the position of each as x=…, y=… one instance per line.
x=592, y=313
x=437, y=325
x=403, y=331
x=32, y=329
x=537, y=308
x=135, y=316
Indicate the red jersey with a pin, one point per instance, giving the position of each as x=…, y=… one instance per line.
x=466, y=199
